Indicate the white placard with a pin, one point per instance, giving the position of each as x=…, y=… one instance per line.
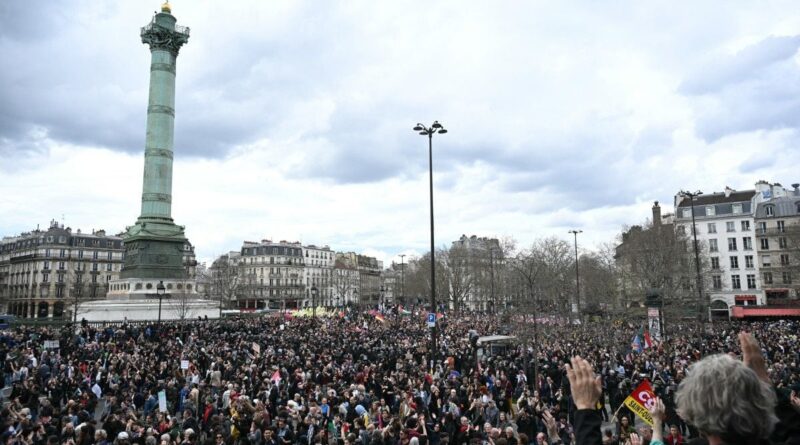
x=162, y=401
x=184, y=364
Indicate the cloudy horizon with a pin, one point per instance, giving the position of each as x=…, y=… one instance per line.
x=294, y=119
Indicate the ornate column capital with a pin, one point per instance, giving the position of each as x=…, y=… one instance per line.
x=162, y=38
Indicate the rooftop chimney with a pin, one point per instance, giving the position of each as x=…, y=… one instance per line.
x=656, y=214
x=728, y=191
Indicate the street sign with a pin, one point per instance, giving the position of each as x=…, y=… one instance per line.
x=431, y=320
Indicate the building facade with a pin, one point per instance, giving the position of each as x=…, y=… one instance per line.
x=318, y=275
x=271, y=275
x=479, y=261
x=725, y=228
x=345, y=283
x=368, y=291
x=46, y=273
x=777, y=228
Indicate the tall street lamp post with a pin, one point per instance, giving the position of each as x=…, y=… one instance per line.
x=700, y=305
x=160, y=291
x=314, y=291
x=436, y=127
x=577, y=275
x=402, y=279
x=491, y=277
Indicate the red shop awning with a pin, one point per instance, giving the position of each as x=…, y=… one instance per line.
x=744, y=312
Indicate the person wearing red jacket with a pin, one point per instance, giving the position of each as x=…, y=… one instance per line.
x=674, y=437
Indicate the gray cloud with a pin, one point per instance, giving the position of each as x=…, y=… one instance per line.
x=756, y=89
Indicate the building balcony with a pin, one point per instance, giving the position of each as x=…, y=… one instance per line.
x=774, y=231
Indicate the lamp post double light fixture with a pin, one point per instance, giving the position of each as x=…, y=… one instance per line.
x=436, y=127
x=577, y=306
x=700, y=306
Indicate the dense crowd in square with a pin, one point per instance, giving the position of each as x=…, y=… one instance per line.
x=358, y=379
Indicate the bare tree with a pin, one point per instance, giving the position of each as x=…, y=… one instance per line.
x=459, y=275
x=658, y=257
x=181, y=301
x=598, y=281
x=226, y=280
x=80, y=291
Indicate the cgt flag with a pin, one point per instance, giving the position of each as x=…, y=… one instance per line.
x=640, y=400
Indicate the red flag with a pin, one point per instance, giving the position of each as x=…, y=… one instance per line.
x=276, y=376
x=640, y=400
x=648, y=342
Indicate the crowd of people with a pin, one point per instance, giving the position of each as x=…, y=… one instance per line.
x=357, y=379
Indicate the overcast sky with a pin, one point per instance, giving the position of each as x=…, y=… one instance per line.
x=293, y=119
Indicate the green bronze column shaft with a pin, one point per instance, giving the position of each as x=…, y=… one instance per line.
x=165, y=40
x=154, y=246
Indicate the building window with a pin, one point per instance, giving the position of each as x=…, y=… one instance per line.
x=762, y=227
x=730, y=226
x=747, y=243
x=687, y=213
x=737, y=208
x=764, y=243
x=734, y=262
x=80, y=254
x=766, y=261
x=716, y=281
x=46, y=265
x=781, y=226
x=797, y=204
x=787, y=278
x=47, y=253
x=732, y=244
x=748, y=261
x=769, y=210
x=46, y=278
x=94, y=267
x=710, y=211
x=714, y=262
x=751, y=281
x=60, y=278
x=712, y=245
x=736, y=282
x=712, y=228
x=784, y=260
x=767, y=277
x=745, y=226
x=109, y=267
x=110, y=256
x=782, y=243
x=94, y=254
x=61, y=253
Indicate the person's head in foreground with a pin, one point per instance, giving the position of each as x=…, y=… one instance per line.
x=727, y=401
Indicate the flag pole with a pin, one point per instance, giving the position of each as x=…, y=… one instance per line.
x=614, y=417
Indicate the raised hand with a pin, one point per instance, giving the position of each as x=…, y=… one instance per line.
x=752, y=356
x=658, y=411
x=550, y=424
x=586, y=387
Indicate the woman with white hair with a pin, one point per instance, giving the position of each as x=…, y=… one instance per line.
x=729, y=401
